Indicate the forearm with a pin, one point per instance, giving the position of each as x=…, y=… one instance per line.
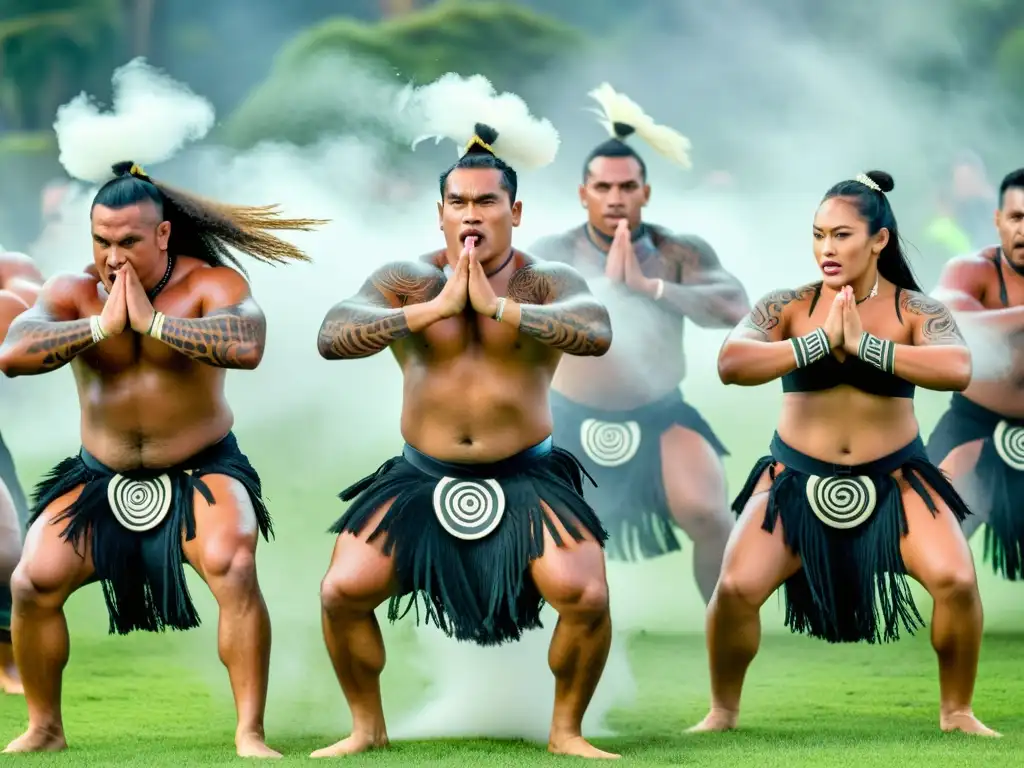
x=1008, y=320
x=352, y=331
x=37, y=346
x=227, y=340
x=943, y=368
x=749, y=363
x=716, y=305
x=575, y=326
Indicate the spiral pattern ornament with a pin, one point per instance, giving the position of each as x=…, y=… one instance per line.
x=469, y=509
x=1009, y=444
x=610, y=443
x=139, y=505
x=841, y=502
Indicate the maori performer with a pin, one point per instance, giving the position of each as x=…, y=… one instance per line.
x=656, y=462
x=480, y=518
x=847, y=505
x=150, y=329
x=20, y=281
x=979, y=441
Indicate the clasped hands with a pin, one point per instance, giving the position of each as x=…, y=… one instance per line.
x=843, y=325
x=127, y=305
x=623, y=266
x=468, y=282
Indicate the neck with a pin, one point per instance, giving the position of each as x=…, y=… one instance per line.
x=1018, y=268
x=865, y=287
x=161, y=282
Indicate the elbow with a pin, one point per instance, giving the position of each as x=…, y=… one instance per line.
x=603, y=336
x=728, y=365
x=9, y=363
x=325, y=346
x=961, y=371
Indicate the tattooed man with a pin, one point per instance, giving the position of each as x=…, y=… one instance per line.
x=480, y=515
x=657, y=463
x=980, y=439
x=150, y=329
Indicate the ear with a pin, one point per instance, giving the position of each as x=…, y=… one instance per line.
x=647, y=194
x=997, y=218
x=881, y=240
x=583, y=195
x=163, y=235
x=517, y=212
x=440, y=214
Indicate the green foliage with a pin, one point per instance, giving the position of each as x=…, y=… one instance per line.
x=1010, y=63
x=307, y=96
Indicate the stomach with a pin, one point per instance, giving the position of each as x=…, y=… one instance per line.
x=475, y=410
x=149, y=418
x=847, y=426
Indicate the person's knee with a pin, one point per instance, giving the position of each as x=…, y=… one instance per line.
x=37, y=588
x=736, y=591
x=348, y=590
x=229, y=565
x=956, y=585
x=583, y=599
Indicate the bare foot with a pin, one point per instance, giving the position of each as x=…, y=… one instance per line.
x=717, y=719
x=353, y=745
x=10, y=682
x=577, y=746
x=253, y=745
x=966, y=722
x=38, y=740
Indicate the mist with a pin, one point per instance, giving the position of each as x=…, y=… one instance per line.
x=785, y=115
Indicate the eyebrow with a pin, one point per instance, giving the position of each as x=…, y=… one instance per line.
x=485, y=198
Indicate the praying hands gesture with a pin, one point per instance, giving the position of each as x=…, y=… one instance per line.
x=623, y=266
x=852, y=328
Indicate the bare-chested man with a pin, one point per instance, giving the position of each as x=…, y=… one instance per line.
x=980, y=440
x=656, y=461
x=20, y=281
x=480, y=516
x=150, y=329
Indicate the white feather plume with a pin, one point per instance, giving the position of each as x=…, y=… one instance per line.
x=451, y=106
x=619, y=108
x=153, y=117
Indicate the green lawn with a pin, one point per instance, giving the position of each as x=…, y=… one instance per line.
x=164, y=700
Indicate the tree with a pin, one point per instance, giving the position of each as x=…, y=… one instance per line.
x=319, y=86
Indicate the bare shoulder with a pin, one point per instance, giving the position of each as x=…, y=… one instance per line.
x=558, y=247
x=968, y=273
x=64, y=293
x=20, y=265
x=770, y=311
x=686, y=249
x=222, y=284
x=921, y=304
x=540, y=280
x=407, y=282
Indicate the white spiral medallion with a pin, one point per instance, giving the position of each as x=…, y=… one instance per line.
x=139, y=505
x=469, y=509
x=610, y=443
x=841, y=502
x=1009, y=444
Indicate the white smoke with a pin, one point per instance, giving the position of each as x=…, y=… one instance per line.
x=153, y=117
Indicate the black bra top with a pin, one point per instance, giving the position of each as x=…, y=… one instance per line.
x=830, y=372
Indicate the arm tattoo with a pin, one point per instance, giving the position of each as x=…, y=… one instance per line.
x=939, y=327
x=48, y=345
x=766, y=315
x=557, y=309
x=370, y=321
x=231, y=338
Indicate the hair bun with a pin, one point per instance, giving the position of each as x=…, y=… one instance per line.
x=882, y=179
x=123, y=168
x=485, y=133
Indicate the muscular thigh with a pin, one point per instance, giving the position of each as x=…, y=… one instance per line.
x=48, y=562
x=10, y=534
x=572, y=573
x=693, y=476
x=959, y=465
x=224, y=530
x=935, y=547
x=756, y=562
x=359, y=569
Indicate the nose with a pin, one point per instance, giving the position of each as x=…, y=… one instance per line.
x=115, y=259
x=828, y=246
x=471, y=216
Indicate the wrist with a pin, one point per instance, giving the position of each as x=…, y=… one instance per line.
x=99, y=333
x=655, y=288
x=419, y=316
x=156, y=326
x=811, y=347
x=880, y=353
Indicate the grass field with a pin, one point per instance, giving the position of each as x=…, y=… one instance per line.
x=164, y=700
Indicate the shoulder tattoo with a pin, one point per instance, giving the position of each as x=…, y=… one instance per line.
x=409, y=282
x=766, y=315
x=938, y=325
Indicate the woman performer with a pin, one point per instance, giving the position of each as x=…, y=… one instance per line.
x=847, y=504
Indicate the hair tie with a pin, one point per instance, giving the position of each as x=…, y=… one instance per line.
x=868, y=182
x=137, y=171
